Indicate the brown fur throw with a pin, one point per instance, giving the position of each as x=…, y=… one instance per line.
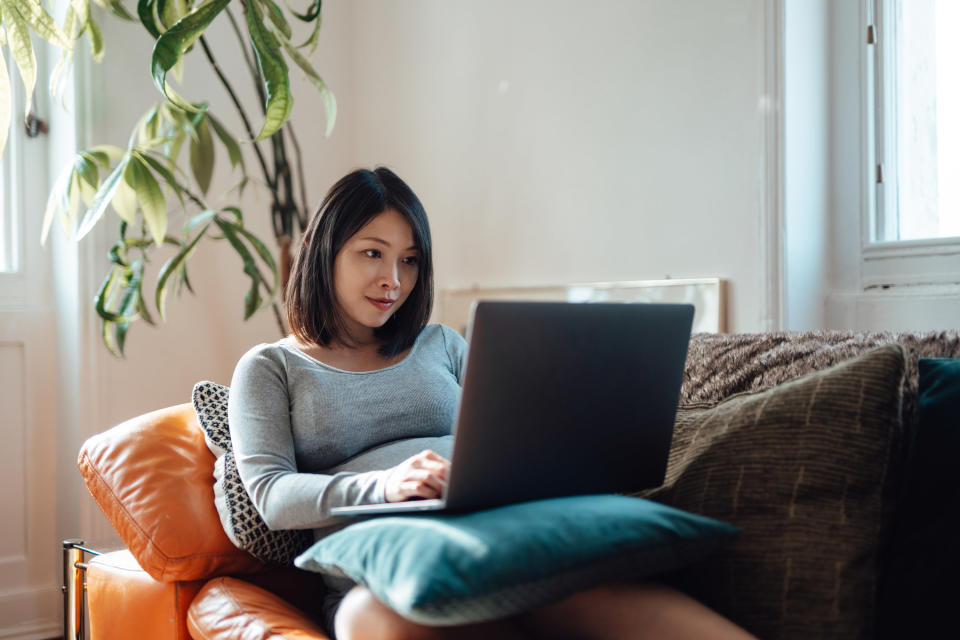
x=720, y=365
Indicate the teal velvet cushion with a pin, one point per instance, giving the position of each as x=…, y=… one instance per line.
x=918, y=590
x=457, y=569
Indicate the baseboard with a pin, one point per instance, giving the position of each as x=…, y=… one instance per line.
x=38, y=631
x=31, y=614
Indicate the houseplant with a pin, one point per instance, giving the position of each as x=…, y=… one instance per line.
x=163, y=174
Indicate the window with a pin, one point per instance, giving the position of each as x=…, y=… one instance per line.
x=8, y=231
x=23, y=188
x=912, y=230
x=8, y=193
x=918, y=120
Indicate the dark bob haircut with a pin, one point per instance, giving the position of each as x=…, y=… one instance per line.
x=311, y=305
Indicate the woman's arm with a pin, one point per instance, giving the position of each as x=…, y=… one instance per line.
x=259, y=417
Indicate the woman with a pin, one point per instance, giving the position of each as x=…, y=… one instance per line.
x=356, y=407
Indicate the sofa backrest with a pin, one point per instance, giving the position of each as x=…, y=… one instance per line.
x=152, y=477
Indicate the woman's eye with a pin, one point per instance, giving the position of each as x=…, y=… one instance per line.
x=372, y=253
x=412, y=261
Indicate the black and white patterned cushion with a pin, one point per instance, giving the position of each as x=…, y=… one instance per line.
x=241, y=521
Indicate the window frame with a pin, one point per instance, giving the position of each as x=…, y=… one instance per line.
x=887, y=264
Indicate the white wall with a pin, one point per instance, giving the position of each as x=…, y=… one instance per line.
x=566, y=141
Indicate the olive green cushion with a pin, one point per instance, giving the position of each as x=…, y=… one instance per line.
x=802, y=469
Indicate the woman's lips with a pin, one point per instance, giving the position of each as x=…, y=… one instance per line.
x=383, y=304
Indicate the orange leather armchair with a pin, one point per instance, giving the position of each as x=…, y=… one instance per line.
x=180, y=576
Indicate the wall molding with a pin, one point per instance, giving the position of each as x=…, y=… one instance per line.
x=772, y=207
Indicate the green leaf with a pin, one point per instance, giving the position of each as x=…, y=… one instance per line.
x=107, y=293
x=129, y=301
x=233, y=149
x=87, y=191
x=4, y=103
x=184, y=278
x=169, y=268
x=125, y=199
x=314, y=39
x=170, y=11
x=164, y=172
x=118, y=254
x=21, y=47
x=114, y=154
x=145, y=10
x=43, y=25
x=237, y=214
x=252, y=299
x=96, y=157
x=56, y=199
x=81, y=13
x=264, y=254
x=172, y=44
x=102, y=199
x=108, y=340
x=116, y=8
x=96, y=40
x=86, y=168
x=273, y=68
x=149, y=125
x=142, y=309
x=71, y=204
x=277, y=18
x=312, y=13
x=202, y=156
x=204, y=216
x=329, y=101
x=152, y=202
x=173, y=143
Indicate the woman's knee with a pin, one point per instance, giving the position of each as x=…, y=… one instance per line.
x=362, y=617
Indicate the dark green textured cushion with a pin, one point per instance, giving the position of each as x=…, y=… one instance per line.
x=457, y=569
x=920, y=584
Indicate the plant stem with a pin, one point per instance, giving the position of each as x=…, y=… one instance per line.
x=304, y=208
x=287, y=204
x=243, y=115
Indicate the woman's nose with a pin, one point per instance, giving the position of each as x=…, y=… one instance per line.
x=389, y=277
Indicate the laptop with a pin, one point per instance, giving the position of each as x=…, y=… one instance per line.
x=561, y=399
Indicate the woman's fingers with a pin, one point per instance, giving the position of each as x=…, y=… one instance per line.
x=426, y=481
x=437, y=468
x=423, y=476
x=429, y=454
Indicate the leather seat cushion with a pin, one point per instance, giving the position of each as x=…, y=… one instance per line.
x=233, y=608
x=125, y=602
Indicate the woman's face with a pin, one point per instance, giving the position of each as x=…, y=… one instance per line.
x=374, y=273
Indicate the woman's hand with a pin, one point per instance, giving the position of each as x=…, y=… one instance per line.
x=421, y=476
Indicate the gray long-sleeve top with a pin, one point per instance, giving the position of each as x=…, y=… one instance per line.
x=308, y=437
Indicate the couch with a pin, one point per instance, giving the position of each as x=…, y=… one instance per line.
x=180, y=576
